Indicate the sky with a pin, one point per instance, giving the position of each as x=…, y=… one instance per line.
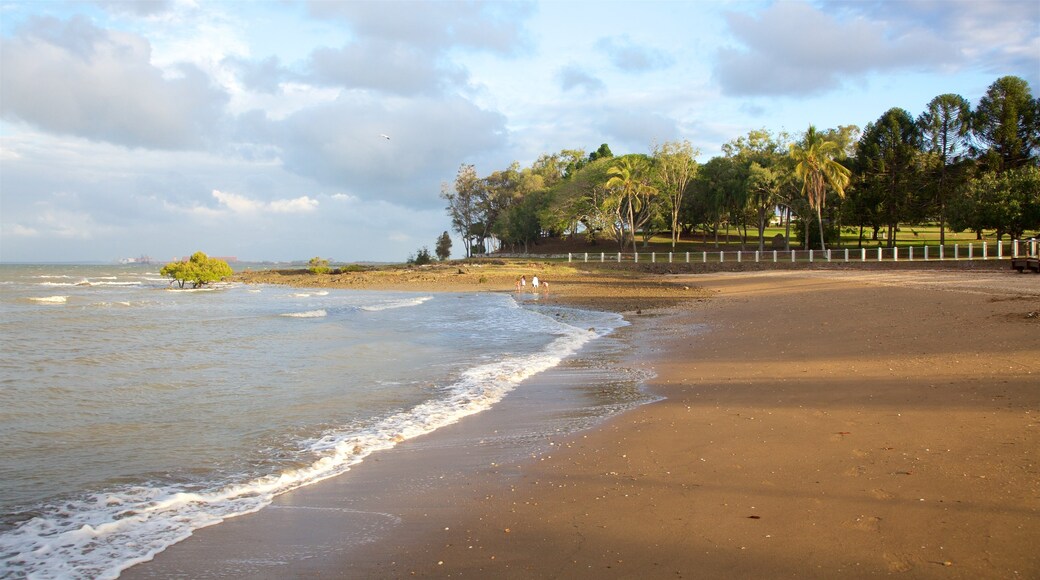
x=280, y=130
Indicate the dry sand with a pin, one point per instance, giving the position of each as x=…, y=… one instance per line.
x=816, y=424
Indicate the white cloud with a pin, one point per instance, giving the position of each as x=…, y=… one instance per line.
x=793, y=48
x=244, y=205
x=75, y=78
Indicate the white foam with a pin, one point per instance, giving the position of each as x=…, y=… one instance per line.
x=50, y=299
x=405, y=303
x=301, y=295
x=307, y=314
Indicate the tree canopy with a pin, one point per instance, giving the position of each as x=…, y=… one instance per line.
x=199, y=270
x=900, y=170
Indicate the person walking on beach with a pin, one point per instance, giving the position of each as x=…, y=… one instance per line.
x=523, y=283
x=534, y=283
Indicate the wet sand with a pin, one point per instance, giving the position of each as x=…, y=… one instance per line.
x=816, y=423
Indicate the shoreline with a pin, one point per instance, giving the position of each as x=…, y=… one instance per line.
x=360, y=505
x=861, y=450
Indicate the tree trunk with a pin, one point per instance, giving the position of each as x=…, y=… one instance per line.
x=787, y=229
x=819, y=219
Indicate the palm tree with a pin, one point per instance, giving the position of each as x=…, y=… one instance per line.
x=817, y=167
x=632, y=192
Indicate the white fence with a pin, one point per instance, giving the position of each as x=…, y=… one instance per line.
x=970, y=251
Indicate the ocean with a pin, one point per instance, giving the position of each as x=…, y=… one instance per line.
x=132, y=413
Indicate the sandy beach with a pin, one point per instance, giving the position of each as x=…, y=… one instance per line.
x=814, y=423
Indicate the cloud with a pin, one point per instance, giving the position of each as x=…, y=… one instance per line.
x=76, y=79
x=244, y=205
x=495, y=27
x=636, y=130
x=996, y=37
x=392, y=67
x=573, y=77
x=339, y=144
x=141, y=8
x=628, y=56
x=792, y=48
x=59, y=223
x=264, y=76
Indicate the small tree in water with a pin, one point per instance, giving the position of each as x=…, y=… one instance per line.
x=200, y=270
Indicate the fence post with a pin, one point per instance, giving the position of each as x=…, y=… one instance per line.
x=687, y=257
x=926, y=253
x=738, y=255
x=774, y=256
x=862, y=254
x=669, y=257
x=810, y=255
x=941, y=252
x=985, y=250
x=722, y=257
x=636, y=257
x=792, y=256
x=705, y=256
x=619, y=257
x=846, y=254
x=586, y=256
x=971, y=251
x=602, y=257
x=653, y=257
x=1014, y=248
x=828, y=254
x=756, y=256
x=568, y=257
x=911, y=248
x=879, y=254
x=895, y=254
x=1000, y=249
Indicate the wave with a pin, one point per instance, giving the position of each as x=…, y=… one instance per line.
x=307, y=314
x=101, y=535
x=86, y=282
x=50, y=299
x=405, y=303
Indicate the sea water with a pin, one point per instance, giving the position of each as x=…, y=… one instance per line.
x=132, y=413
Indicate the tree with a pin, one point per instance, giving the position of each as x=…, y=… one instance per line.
x=602, y=153
x=443, y=248
x=318, y=265
x=421, y=258
x=889, y=167
x=945, y=126
x=463, y=204
x=200, y=270
x=630, y=182
x=1007, y=202
x=675, y=169
x=817, y=166
x=1005, y=124
x=761, y=169
x=582, y=198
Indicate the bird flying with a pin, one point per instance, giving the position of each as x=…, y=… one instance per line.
x=387, y=137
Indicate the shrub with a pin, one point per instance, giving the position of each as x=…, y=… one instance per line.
x=318, y=265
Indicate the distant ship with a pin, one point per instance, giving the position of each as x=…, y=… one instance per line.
x=139, y=260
